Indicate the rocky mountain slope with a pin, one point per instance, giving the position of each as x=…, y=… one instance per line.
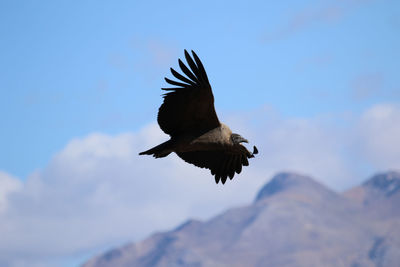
x=293, y=221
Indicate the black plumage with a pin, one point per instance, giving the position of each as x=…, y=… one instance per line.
x=197, y=136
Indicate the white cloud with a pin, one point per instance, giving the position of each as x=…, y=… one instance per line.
x=326, y=13
x=304, y=19
x=98, y=192
x=8, y=185
x=306, y=146
x=379, y=136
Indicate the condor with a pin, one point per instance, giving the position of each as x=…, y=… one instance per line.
x=197, y=136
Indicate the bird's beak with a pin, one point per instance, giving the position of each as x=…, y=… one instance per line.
x=237, y=139
x=241, y=140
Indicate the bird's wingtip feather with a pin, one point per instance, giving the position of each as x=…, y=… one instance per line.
x=255, y=150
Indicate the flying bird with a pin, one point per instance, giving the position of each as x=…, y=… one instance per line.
x=197, y=136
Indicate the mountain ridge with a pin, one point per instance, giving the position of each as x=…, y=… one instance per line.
x=293, y=221
x=287, y=182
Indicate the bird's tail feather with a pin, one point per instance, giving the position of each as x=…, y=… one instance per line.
x=159, y=151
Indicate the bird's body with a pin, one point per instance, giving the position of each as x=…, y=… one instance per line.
x=197, y=136
x=219, y=136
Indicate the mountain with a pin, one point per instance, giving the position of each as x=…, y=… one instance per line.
x=380, y=194
x=293, y=221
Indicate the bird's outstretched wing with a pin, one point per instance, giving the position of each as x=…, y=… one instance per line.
x=223, y=163
x=188, y=107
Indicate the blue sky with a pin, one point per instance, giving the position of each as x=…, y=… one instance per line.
x=74, y=69
x=71, y=68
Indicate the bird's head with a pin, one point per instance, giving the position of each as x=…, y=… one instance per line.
x=237, y=139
